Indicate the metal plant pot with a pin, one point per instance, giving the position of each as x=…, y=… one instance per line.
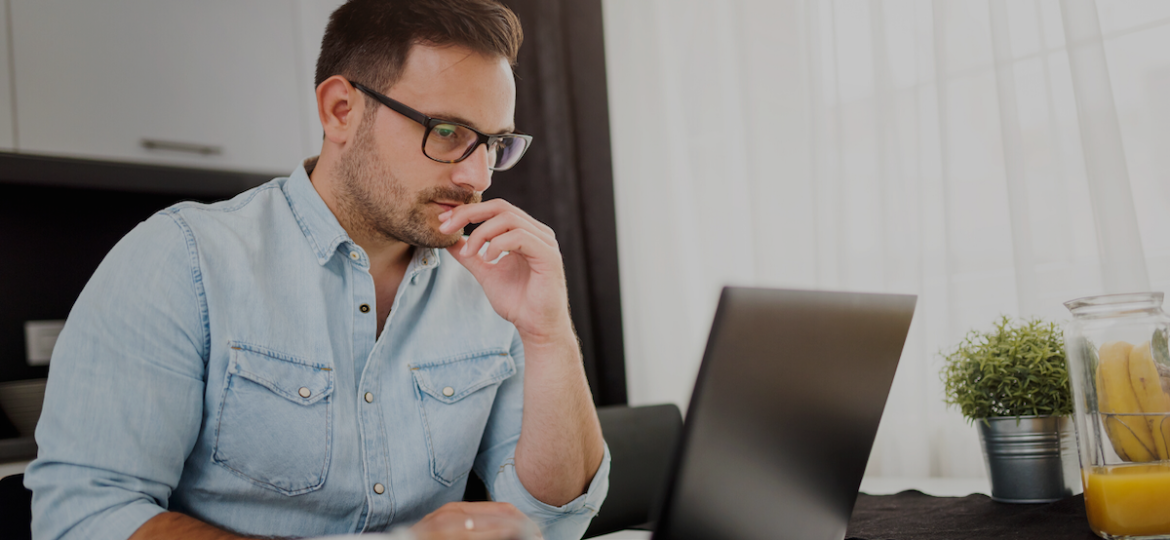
x=1032, y=460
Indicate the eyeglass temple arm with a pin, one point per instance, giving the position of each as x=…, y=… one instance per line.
x=394, y=105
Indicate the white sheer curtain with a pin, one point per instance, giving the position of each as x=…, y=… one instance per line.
x=993, y=157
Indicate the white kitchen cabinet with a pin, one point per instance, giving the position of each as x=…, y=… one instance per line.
x=213, y=84
x=7, y=125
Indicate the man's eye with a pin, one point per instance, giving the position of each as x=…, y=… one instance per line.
x=445, y=131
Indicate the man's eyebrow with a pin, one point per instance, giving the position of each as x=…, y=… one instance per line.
x=461, y=120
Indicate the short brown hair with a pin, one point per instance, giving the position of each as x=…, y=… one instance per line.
x=368, y=40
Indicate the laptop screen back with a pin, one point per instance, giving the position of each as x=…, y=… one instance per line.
x=784, y=413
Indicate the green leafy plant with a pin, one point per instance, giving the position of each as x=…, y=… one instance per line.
x=1016, y=369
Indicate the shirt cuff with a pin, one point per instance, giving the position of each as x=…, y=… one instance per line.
x=556, y=522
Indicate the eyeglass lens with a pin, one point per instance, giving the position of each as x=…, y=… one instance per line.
x=450, y=142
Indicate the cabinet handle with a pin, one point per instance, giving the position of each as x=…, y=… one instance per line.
x=201, y=149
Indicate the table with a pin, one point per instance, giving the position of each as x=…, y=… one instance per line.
x=947, y=508
x=913, y=515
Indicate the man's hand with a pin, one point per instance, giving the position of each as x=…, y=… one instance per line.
x=527, y=286
x=560, y=447
x=476, y=520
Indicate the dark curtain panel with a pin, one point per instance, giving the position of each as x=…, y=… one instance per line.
x=566, y=179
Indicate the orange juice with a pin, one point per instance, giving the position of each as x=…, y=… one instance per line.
x=1128, y=500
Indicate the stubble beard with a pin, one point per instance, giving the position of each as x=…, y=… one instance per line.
x=375, y=203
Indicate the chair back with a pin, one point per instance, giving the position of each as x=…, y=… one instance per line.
x=15, y=508
x=641, y=443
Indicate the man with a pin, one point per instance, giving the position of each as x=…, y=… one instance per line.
x=326, y=353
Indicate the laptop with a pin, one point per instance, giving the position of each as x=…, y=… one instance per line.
x=783, y=415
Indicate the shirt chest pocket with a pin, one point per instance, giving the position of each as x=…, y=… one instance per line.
x=455, y=398
x=274, y=423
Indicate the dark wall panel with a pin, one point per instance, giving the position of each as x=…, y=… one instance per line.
x=52, y=239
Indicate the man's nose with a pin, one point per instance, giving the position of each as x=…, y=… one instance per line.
x=473, y=172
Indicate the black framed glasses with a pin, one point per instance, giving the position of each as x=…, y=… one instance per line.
x=451, y=142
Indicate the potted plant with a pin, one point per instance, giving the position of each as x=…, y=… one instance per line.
x=1013, y=382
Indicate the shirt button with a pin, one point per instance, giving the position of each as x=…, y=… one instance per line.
x=379, y=489
x=354, y=255
x=365, y=308
x=304, y=392
x=369, y=397
x=448, y=391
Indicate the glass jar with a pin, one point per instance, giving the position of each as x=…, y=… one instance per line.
x=1119, y=368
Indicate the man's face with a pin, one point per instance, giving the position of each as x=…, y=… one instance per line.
x=389, y=187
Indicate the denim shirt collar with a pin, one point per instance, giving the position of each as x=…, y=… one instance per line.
x=321, y=228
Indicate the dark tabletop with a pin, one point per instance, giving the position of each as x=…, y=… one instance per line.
x=913, y=515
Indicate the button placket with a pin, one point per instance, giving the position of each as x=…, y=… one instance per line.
x=364, y=327
x=371, y=422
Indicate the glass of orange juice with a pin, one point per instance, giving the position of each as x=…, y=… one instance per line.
x=1119, y=366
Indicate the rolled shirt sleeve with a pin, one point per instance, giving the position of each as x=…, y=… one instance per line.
x=568, y=521
x=124, y=400
x=496, y=465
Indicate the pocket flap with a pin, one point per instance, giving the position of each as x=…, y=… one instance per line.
x=452, y=379
x=293, y=378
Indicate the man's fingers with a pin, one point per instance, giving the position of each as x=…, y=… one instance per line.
x=462, y=215
x=492, y=507
x=497, y=226
x=476, y=521
x=496, y=518
x=519, y=241
x=504, y=508
x=480, y=507
x=471, y=260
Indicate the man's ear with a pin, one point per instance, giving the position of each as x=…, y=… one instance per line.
x=339, y=106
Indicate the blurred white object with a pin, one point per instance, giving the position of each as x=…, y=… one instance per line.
x=398, y=533
x=625, y=535
x=39, y=339
x=402, y=534
x=11, y=468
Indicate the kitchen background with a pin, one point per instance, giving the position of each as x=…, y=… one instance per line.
x=113, y=109
x=993, y=157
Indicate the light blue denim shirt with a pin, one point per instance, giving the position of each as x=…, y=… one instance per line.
x=224, y=362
